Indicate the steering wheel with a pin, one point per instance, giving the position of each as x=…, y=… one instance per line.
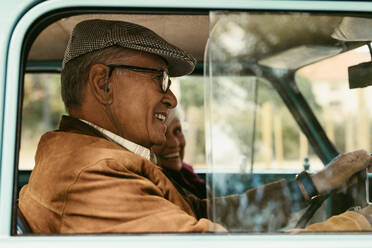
x=360, y=192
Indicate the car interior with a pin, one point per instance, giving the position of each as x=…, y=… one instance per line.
x=273, y=93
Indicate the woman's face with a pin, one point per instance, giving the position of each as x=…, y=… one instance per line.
x=170, y=154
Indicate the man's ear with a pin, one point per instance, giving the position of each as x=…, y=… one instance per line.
x=99, y=80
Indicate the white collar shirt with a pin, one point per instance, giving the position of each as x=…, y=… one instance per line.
x=129, y=145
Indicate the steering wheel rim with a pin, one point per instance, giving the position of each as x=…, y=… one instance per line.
x=310, y=211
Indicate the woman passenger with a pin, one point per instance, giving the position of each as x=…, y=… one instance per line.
x=170, y=157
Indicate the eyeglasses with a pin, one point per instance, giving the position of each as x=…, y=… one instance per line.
x=165, y=82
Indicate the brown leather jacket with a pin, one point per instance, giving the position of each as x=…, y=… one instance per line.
x=349, y=221
x=83, y=183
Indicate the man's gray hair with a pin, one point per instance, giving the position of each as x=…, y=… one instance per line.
x=76, y=72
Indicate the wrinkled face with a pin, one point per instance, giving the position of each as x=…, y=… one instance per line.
x=170, y=154
x=139, y=105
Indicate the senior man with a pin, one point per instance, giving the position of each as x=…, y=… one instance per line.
x=95, y=174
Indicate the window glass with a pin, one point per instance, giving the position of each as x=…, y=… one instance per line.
x=344, y=113
x=189, y=91
x=249, y=119
x=260, y=134
x=261, y=68
x=42, y=110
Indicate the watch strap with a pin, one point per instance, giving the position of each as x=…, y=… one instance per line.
x=306, y=185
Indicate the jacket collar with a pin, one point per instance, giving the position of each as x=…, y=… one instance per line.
x=71, y=124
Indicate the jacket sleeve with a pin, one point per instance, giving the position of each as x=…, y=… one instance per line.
x=108, y=198
x=263, y=209
x=348, y=221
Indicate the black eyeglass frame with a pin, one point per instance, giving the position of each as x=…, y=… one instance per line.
x=166, y=82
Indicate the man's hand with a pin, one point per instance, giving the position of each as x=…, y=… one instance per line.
x=340, y=170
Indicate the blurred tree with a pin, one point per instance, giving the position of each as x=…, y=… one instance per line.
x=42, y=103
x=192, y=96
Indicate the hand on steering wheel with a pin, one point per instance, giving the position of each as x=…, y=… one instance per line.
x=341, y=171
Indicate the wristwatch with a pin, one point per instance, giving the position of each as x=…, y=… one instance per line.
x=306, y=185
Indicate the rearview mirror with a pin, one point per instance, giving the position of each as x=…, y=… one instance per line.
x=360, y=75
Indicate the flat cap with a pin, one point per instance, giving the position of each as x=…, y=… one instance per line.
x=93, y=35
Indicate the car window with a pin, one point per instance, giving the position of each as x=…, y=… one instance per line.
x=260, y=113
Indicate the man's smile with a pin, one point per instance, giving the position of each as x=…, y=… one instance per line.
x=160, y=116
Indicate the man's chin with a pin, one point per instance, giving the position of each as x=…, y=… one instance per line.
x=159, y=141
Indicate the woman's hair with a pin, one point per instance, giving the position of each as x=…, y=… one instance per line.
x=174, y=113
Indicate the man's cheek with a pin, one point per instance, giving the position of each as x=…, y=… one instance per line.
x=159, y=139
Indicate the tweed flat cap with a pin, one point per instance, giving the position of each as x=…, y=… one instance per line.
x=93, y=35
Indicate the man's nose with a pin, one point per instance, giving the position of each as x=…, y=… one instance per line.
x=170, y=99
